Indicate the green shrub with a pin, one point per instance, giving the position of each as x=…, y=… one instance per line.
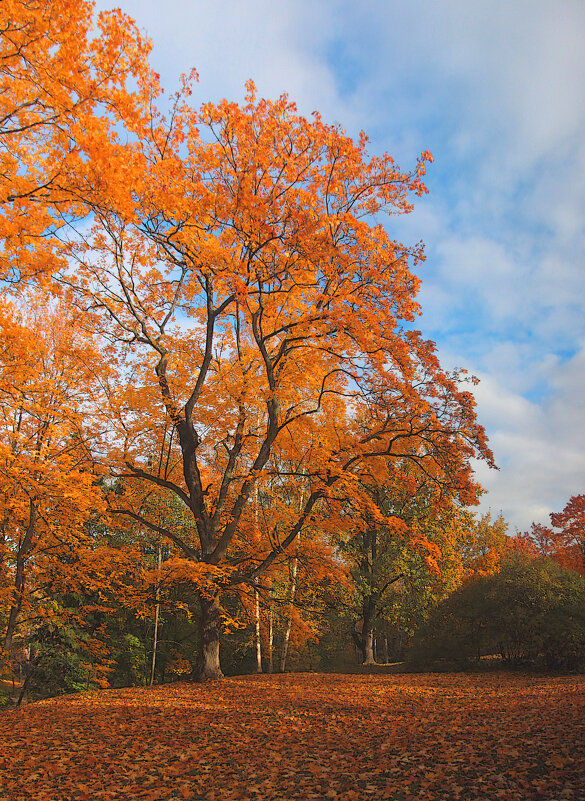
x=56, y=664
x=530, y=613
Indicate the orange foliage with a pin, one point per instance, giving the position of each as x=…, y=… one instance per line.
x=569, y=534
x=248, y=308
x=252, y=308
x=564, y=541
x=62, y=91
x=47, y=485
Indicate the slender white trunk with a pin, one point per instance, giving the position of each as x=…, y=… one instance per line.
x=270, y=640
x=287, y=633
x=257, y=633
x=293, y=591
x=156, y=617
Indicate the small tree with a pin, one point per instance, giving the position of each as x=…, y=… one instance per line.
x=569, y=534
x=404, y=553
x=564, y=540
x=47, y=485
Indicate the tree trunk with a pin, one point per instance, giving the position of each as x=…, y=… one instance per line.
x=156, y=617
x=270, y=640
x=293, y=591
x=209, y=633
x=367, y=638
x=368, y=648
x=257, y=632
x=24, y=549
x=287, y=633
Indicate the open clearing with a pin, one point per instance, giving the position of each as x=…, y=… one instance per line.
x=426, y=736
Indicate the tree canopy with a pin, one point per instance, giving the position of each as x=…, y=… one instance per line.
x=240, y=320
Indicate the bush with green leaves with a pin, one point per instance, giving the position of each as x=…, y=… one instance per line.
x=57, y=664
x=530, y=613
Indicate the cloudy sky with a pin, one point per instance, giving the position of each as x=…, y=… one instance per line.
x=495, y=89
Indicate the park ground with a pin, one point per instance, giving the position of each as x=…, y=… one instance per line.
x=427, y=736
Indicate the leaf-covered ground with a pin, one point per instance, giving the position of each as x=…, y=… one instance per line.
x=425, y=736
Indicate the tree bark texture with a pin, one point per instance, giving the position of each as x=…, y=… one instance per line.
x=209, y=633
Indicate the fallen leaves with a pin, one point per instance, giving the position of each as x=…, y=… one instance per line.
x=306, y=737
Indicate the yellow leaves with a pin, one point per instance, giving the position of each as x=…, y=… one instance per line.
x=179, y=666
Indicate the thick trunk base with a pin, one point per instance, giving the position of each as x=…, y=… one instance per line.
x=209, y=633
x=368, y=649
x=210, y=673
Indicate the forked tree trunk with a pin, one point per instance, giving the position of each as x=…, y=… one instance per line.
x=209, y=633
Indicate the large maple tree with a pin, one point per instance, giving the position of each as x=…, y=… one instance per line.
x=254, y=318
x=259, y=321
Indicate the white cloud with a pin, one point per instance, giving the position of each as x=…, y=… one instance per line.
x=277, y=45
x=539, y=446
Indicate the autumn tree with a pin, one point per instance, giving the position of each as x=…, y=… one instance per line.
x=65, y=87
x=569, y=533
x=538, y=540
x=404, y=551
x=248, y=300
x=486, y=546
x=564, y=539
x=47, y=484
x=73, y=89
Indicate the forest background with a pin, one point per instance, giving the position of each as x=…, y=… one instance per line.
x=217, y=414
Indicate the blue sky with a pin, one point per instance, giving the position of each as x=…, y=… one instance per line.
x=495, y=89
